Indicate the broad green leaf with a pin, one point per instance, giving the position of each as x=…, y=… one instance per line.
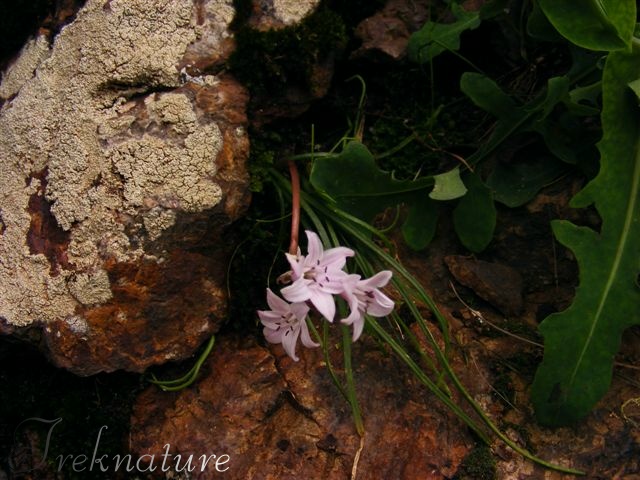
x=539, y=26
x=474, y=218
x=514, y=118
x=420, y=226
x=448, y=186
x=434, y=38
x=486, y=94
x=354, y=181
x=580, y=343
x=568, y=139
x=516, y=184
x=594, y=24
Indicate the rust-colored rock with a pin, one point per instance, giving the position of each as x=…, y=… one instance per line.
x=121, y=165
x=388, y=31
x=45, y=236
x=287, y=420
x=158, y=312
x=498, y=284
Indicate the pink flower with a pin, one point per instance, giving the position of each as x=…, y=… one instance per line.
x=284, y=323
x=318, y=276
x=364, y=297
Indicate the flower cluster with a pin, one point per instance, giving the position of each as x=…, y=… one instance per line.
x=315, y=279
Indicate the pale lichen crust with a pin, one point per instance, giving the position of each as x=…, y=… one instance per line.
x=94, y=134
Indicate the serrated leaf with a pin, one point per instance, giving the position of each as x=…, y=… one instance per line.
x=434, y=38
x=354, y=181
x=474, y=218
x=448, y=186
x=580, y=343
x=594, y=24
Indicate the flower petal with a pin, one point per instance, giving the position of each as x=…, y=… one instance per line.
x=314, y=248
x=305, y=337
x=276, y=303
x=358, y=327
x=379, y=280
x=336, y=257
x=297, y=265
x=381, y=305
x=298, y=291
x=269, y=318
x=299, y=310
x=324, y=303
x=355, y=312
x=333, y=283
x=289, y=340
x=273, y=336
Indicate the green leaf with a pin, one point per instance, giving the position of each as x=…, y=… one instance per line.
x=474, y=218
x=514, y=118
x=420, y=226
x=539, y=26
x=354, y=181
x=448, y=186
x=584, y=100
x=434, y=38
x=594, y=24
x=580, y=343
x=516, y=184
x=635, y=88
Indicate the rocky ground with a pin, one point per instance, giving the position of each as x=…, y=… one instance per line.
x=261, y=414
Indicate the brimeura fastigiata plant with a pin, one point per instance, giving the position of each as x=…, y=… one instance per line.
x=319, y=286
x=317, y=279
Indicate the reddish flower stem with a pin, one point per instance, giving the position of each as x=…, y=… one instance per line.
x=295, y=207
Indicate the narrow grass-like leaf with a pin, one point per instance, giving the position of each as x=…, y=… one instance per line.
x=580, y=342
x=190, y=377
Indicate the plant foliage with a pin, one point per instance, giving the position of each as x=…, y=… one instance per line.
x=580, y=343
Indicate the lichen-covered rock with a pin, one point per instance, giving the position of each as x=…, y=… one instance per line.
x=117, y=158
x=270, y=14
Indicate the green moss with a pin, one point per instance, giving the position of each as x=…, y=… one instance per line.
x=264, y=61
x=479, y=464
x=263, y=154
